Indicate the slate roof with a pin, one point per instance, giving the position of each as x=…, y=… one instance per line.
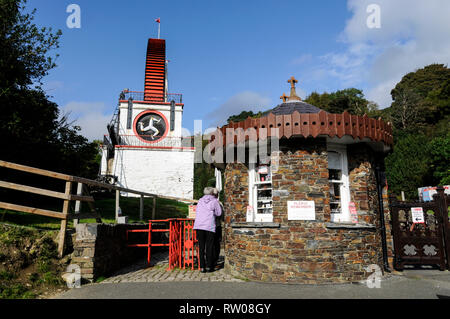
x=289, y=108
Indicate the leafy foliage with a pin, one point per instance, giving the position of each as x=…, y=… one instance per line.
x=423, y=96
x=203, y=175
x=351, y=100
x=243, y=116
x=420, y=114
x=32, y=129
x=408, y=166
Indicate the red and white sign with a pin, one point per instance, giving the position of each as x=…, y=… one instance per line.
x=353, y=213
x=417, y=215
x=301, y=210
x=192, y=212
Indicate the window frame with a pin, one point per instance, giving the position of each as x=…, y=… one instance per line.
x=344, y=216
x=256, y=217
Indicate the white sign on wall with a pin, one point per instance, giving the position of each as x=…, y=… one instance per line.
x=417, y=215
x=301, y=210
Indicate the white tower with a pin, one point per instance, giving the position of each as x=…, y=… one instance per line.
x=145, y=150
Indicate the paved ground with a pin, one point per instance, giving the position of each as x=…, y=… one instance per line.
x=158, y=273
x=141, y=282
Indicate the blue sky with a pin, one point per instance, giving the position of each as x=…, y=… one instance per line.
x=229, y=56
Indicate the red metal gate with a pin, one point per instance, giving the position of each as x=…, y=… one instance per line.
x=183, y=244
x=425, y=243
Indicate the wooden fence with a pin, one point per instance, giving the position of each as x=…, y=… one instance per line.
x=82, y=195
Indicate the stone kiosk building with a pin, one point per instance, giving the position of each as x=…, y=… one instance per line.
x=310, y=213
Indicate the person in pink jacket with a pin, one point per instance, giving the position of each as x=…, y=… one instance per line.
x=208, y=208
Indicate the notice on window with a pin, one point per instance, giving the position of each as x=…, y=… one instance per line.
x=301, y=210
x=353, y=213
x=192, y=211
x=417, y=215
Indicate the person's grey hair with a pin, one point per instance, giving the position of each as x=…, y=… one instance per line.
x=215, y=191
x=208, y=191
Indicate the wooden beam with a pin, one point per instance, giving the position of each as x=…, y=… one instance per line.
x=33, y=190
x=32, y=210
x=33, y=170
x=44, y=192
x=62, y=231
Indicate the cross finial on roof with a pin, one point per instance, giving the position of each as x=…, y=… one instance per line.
x=293, y=81
x=284, y=97
x=293, y=96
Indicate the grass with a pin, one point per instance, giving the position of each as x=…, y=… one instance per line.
x=32, y=238
x=29, y=262
x=106, y=207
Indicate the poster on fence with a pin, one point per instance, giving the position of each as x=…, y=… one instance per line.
x=417, y=215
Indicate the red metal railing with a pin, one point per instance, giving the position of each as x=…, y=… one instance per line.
x=145, y=97
x=183, y=244
x=184, y=142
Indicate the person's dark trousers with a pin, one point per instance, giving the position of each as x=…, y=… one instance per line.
x=206, y=248
x=217, y=241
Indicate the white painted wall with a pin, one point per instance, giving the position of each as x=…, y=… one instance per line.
x=162, y=172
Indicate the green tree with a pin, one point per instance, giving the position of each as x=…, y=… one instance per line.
x=425, y=94
x=440, y=159
x=32, y=129
x=243, y=116
x=203, y=175
x=351, y=100
x=408, y=166
x=24, y=53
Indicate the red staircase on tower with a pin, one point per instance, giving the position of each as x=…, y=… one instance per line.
x=155, y=71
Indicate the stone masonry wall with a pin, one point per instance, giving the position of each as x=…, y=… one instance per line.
x=301, y=251
x=100, y=249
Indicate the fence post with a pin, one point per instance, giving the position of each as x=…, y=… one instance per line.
x=154, y=208
x=62, y=232
x=117, y=204
x=78, y=203
x=141, y=208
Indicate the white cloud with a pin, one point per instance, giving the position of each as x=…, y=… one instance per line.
x=244, y=101
x=90, y=116
x=413, y=34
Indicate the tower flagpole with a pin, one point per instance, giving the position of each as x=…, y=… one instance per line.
x=159, y=27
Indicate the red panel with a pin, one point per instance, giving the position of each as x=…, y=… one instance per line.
x=340, y=125
x=279, y=119
x=346, y=123
x=304, y=122
x=271, y=123
x=287, y=125
x=323, y=122
x=155, y=70
x=314, y=124
x=296, y=124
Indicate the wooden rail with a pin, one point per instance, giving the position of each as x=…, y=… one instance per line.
x=82, y=195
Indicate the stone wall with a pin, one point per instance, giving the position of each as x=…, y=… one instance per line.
x=302, y=251
x=100, y=249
